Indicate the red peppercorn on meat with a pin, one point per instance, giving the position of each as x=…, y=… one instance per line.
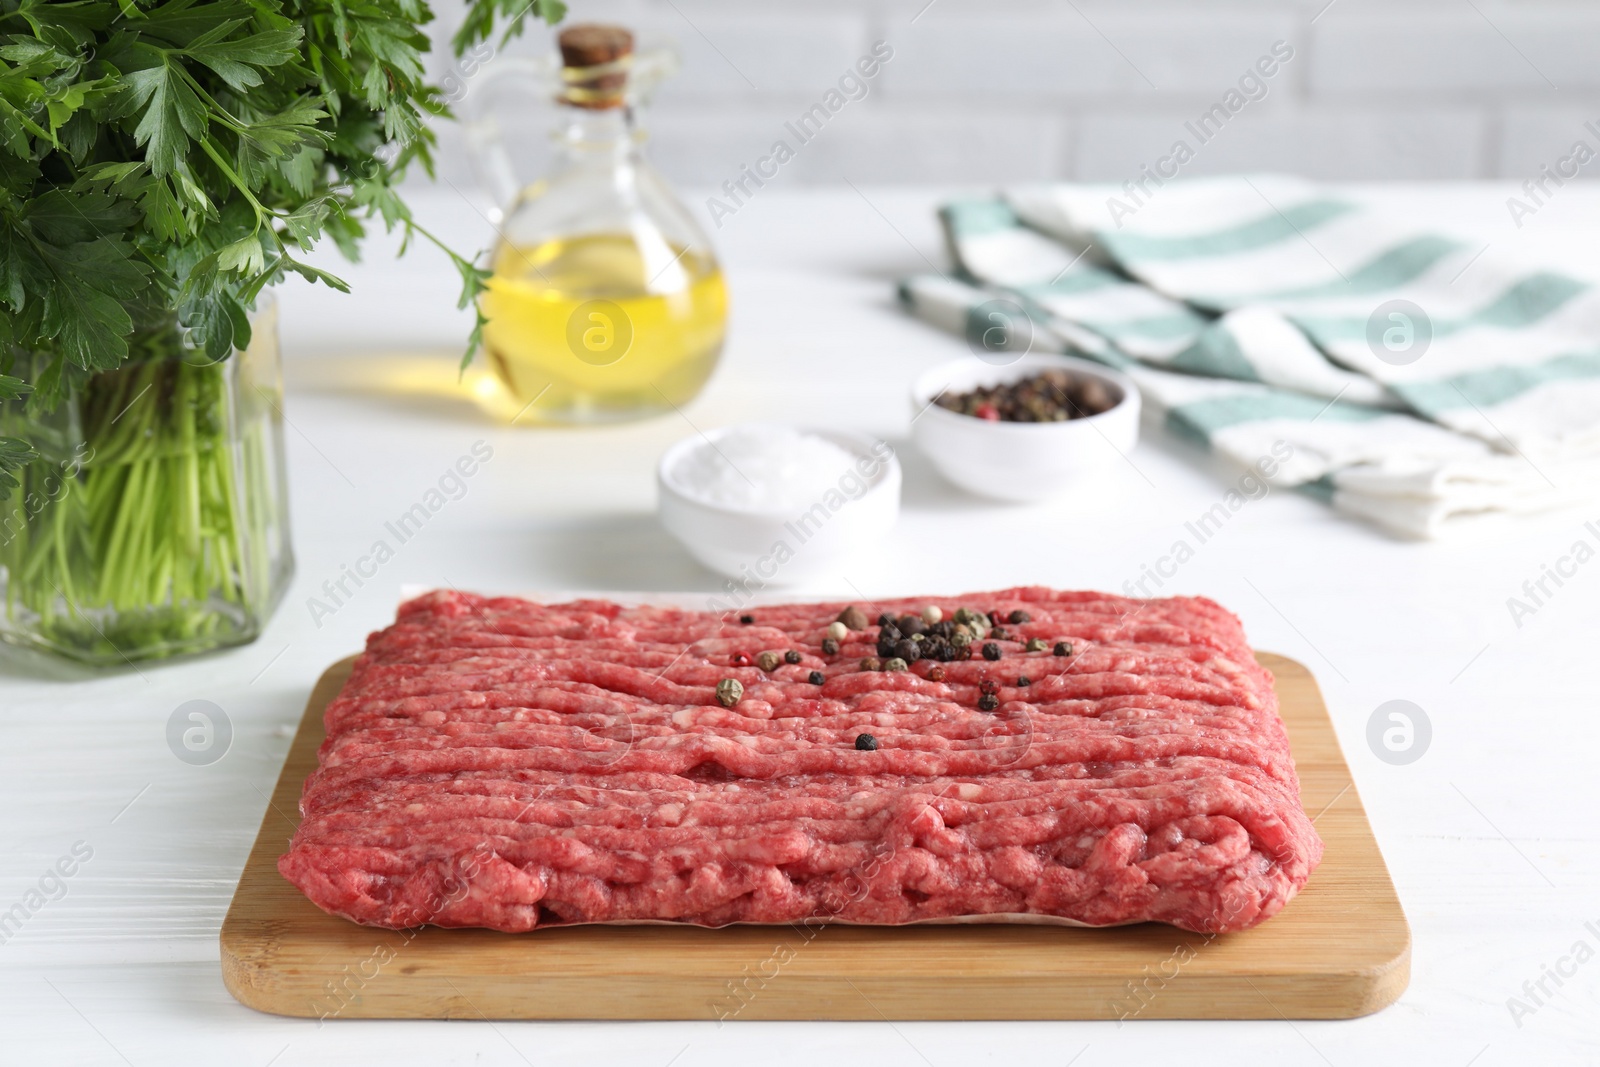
x=498, y=763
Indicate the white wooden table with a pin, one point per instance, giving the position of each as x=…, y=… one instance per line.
x=1491, y=835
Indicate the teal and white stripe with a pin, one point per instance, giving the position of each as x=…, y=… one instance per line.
x=1241, y=307
x=1515, y=354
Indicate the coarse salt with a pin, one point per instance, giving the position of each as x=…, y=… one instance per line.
x=763, y=467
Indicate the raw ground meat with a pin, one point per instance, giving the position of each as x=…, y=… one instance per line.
x=498, y=763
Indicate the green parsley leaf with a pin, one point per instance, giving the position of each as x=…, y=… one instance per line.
x=173, y=114
x=161, y=159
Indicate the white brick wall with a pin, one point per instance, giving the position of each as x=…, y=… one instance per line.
x=1326, y=142
x=1539, y=136
x=1024, y=90
x=1072, y=60
x=1458, y=53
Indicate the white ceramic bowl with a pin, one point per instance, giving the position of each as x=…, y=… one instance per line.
x=1021, y=461
x=786, y=547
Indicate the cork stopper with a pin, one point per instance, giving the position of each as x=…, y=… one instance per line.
x=595, y=60
x=591, y=44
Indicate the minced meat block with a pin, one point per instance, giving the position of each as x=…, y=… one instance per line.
x=499, y=763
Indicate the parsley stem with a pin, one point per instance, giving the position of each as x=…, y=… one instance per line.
x=227, y=171
x=163, y=541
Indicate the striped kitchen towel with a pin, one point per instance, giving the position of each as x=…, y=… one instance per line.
x=1415, y=380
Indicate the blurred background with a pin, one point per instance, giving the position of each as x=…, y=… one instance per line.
x=1089, y=91
x=979, y=95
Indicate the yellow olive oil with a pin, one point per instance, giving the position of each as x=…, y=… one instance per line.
x=598, y=327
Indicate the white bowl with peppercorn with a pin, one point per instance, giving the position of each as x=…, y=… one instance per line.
x=1025, y=430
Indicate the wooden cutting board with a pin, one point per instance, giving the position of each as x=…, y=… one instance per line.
x=1340, y=949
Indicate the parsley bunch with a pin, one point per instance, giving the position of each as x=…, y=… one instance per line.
x=164, y=158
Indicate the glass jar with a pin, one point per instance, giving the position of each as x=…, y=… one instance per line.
x=606, y=301
x=154, y=520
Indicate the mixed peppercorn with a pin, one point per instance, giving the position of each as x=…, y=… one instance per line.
x=1050, y=396
x=929, y=635
x=903, y=640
